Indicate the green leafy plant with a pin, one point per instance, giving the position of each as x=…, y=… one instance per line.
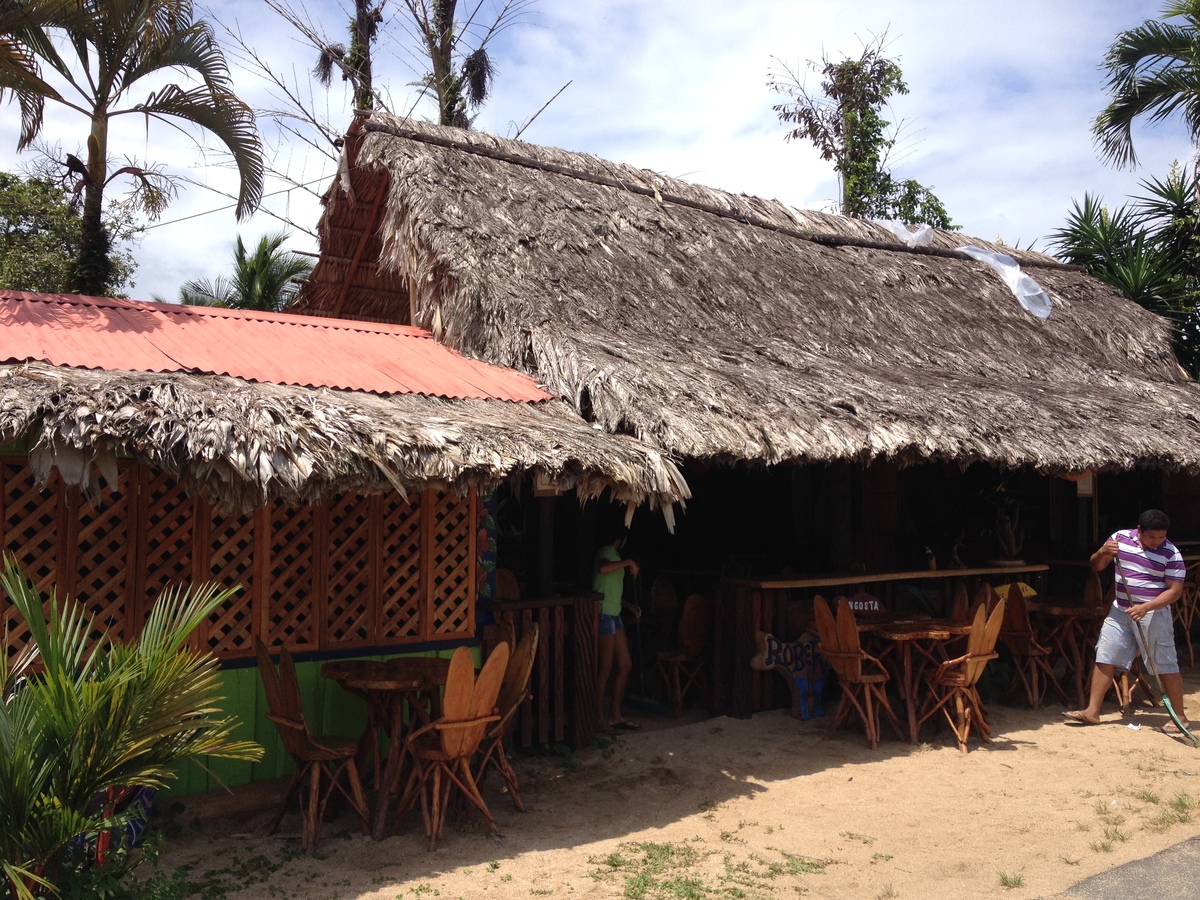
x=97, y=718
x=1011, y=880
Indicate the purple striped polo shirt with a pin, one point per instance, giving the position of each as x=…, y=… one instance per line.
x=1147, y=571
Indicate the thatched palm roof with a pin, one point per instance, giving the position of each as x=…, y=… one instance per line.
x=727, y=327
x=242, y=443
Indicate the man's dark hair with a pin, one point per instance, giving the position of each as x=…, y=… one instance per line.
x=613, y=533
x=1153, y=520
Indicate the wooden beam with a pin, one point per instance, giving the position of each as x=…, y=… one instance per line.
x=372, y=223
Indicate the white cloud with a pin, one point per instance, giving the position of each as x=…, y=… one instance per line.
x=997, y=121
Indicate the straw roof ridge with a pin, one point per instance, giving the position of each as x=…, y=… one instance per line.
x=712, y=338
x=244, y=443
x=772, y=215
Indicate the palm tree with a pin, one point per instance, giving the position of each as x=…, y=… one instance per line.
x=97, y=718
x=108, y=49
x=1147, y=249
x=460, y=77
x=266, y=281
x=1154, y=71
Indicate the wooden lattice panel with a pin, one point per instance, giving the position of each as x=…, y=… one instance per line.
x=401, y=562
x=31, y=523
x=167, y=534
x=291, y=613
x=451, y=563
x=349, y=619
x=30, y=529
x=229, y=629
x=102, y=559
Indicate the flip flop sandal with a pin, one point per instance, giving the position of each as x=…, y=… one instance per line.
x=1076, y=716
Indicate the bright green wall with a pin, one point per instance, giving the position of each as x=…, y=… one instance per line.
x=328, y=708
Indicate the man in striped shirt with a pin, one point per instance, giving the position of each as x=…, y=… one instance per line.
x=1153, y=573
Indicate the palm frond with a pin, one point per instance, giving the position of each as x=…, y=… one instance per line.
x=227, y=118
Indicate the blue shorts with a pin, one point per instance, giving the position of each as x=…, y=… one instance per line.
x=610, y=625
x=1118, y=647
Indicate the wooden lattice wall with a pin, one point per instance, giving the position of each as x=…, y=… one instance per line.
x=351, y=571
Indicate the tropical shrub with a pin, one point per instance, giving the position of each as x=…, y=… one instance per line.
x=85, y=718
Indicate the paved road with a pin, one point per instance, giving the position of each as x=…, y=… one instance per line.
x=1175, y=872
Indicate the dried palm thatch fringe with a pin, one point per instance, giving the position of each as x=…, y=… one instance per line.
x=243, y=443
x=732, y=328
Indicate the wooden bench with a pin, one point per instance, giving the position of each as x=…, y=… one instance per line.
x=802, y=667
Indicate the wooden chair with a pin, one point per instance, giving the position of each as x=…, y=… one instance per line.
x=322, y=761
x=861, y=675
x=1183, y=610
x=664, y=601
x=441, y=751
x=514, y=690
x=956, y=680
x=684, y=668
x=1031, y=661
x=862, y=602
x=960, y=604
x=507, y=586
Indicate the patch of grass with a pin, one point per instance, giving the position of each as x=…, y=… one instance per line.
x=855, y=836
x=1183, y=805
x=653, y=870
x=1147, y=796
x=709, y=808
x=888, y=893
x=493, y=865
x=1011, y=880
x=1068, y=860
x=804, y=865
x=541, y=892
x=880, y=857
x=1102, y=846
x=1113, y=833
x=1162, y=822
x=239, y=873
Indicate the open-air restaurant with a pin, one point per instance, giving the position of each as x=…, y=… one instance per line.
x=454, y=514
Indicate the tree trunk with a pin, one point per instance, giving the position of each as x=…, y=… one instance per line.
x=360, y=55
x=92, y=272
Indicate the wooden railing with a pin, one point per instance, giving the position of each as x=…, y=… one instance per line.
x=562, y=709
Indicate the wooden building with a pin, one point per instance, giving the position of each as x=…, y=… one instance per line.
x=788, y=360
x=331, y=470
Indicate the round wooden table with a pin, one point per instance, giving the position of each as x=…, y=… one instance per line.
x=900, y=637
x=387, y=687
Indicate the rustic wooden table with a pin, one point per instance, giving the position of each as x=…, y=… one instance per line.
x=908, y=647
x=387, y=688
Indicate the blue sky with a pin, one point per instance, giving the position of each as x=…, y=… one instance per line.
x=997, y=121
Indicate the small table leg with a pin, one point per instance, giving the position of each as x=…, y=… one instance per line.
x=387, y=788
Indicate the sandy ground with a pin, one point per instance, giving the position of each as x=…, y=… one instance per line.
x=765, y=807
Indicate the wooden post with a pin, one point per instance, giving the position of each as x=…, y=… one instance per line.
x=743, y=649
x=585, y=621
x=545, y=546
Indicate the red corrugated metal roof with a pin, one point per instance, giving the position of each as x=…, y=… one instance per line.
x=104, y=333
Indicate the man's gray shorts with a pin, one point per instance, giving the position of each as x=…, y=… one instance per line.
x=1118, y=647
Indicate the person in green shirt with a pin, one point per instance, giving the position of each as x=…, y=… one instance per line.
x=608, y=579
